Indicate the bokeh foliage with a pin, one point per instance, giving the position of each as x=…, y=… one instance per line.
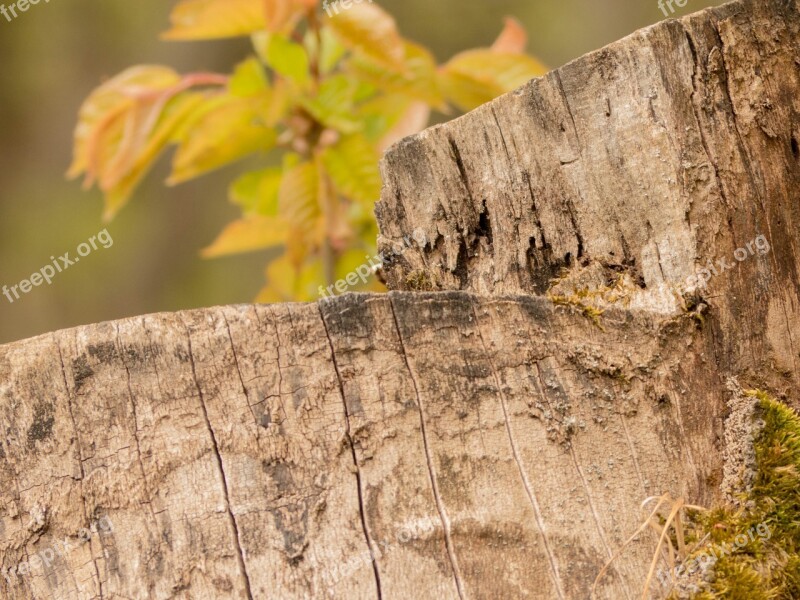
x=325, y=91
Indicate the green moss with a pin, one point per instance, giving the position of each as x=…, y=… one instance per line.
x=695, y=308
x=418, y=281
x=577, y=301
x=764, y=564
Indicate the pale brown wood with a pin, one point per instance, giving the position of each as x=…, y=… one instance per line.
x=478, y=433
x=673, y=147
x=477, y=448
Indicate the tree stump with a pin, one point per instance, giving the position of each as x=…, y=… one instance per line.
x=549, y=359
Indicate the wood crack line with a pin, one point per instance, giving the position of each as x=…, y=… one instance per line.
x=80, y=459
x=451, y=554
x=747, y=163
x=220, y=471
x=146, y=484
x=515, y=452
x=361, y=509
x=584, y=483
x=239, y=370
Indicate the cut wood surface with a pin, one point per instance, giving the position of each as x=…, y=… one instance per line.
x=485, y=431
x=667, y=150
x=477, y=448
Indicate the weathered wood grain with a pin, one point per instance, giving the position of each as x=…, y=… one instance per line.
x=670, y=148
x=476, y=448
x=482, y=443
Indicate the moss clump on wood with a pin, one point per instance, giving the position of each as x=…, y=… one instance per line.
x=577, y=301
x=418, y=281
x=753, y=549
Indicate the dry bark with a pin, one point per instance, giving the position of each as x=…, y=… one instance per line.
x=477, y=448
x=486, y=443
x=672, y=147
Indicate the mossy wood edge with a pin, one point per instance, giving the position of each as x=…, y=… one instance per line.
x=473, y=443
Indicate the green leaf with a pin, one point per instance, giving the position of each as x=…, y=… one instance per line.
x=285, y=57
x=350, y=261
x=287, y=282
x=212, y=19
x=252, y=233
x=381, y=113
x=353, y=166
x=334, y=104
x=368, y=30
x=298, y=197
x=416, y=78
x=475, y=77
x=226, y=129
x=248, y=79
x=390, y=117
x=257, y=192
x=332, y=51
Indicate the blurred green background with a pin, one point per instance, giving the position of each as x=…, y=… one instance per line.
x=55, y=54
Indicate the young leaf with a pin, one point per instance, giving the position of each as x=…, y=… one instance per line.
x=350, y=261
x=333, y=229
x=248, y=79
x=331, y=52
x=416, y=78
x=333, y=104
x=513, y=38
x=281, y=278
x=126, y=123
x=413, y=119
x=284, y=56
x=381, y=113
x=107, y=103
x=282, y=15
x=353, y=166
x=257, y=192
x=213, y=19
x=226, y=129
x=287, y=282
x=298, y=196
x=369, y=30
x=475, y=77
x=252, y=233
x=175, y=112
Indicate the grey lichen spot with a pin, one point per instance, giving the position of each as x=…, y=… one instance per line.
x=104, y=352
x=43, y=421
x=81, y=371
x=281, y=475
x=223, y=584
x=292, y=521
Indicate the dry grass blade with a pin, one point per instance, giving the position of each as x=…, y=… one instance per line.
x=673, y=520
x=642, y=527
